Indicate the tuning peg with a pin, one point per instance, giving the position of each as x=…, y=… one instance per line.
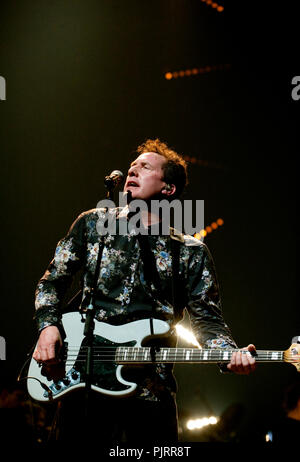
x=296, y=339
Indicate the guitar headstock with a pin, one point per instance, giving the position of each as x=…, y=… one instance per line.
x=292, y=355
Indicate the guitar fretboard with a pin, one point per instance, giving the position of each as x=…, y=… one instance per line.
x=127, y=355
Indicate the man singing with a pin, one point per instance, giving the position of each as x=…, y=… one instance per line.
x=135, y=281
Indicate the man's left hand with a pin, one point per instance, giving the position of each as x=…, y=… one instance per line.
x=243, y=363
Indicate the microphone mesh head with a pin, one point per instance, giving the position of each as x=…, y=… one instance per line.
x=116, y=177
x=117, y=173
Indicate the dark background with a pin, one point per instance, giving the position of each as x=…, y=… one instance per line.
x=85, y=85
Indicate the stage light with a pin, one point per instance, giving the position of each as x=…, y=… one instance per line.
x=214, y=5
x=212, y=420
x=187, y=335
x=197, y=424
x=209, y=229
x=200, y=70
x=203, y=163
x=269, y=437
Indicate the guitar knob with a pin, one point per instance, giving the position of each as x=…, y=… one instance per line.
x=74, y=375
x=66, y=381
x=57, y=386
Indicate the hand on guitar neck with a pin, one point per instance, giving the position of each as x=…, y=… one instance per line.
x=242, y=363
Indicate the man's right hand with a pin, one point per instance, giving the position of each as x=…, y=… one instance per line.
x=48, y=346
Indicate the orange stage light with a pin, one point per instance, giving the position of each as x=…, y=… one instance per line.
x=214, y=225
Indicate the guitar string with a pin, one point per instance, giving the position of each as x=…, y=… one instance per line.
x=119, y=354
x=177, y=357
x=171, y=360
x=138, y=354
x=195, y=352
x=200, y=351
x=83, y=347
x=142, y=361
x=113, y=358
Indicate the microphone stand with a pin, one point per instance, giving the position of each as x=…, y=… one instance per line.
x=90, y=321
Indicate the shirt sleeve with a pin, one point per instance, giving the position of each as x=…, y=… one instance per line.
x=51, y=288
x=204, y=304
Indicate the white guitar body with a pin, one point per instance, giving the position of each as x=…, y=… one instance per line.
x=134, y=333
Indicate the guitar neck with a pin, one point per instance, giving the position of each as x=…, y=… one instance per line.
x=129, y=355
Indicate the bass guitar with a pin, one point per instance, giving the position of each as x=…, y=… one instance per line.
x=118, y=346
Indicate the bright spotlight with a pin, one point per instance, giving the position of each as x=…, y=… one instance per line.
x=197, y=424
x=187, y=335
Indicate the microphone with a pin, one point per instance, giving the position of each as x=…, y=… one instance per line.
x=111, y=181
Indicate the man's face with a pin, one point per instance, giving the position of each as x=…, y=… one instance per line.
x=145, y=176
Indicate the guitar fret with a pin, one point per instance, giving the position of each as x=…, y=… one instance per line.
x=225, y=355
x=273, y=356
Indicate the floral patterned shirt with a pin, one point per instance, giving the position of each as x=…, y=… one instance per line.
x=123, y=294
